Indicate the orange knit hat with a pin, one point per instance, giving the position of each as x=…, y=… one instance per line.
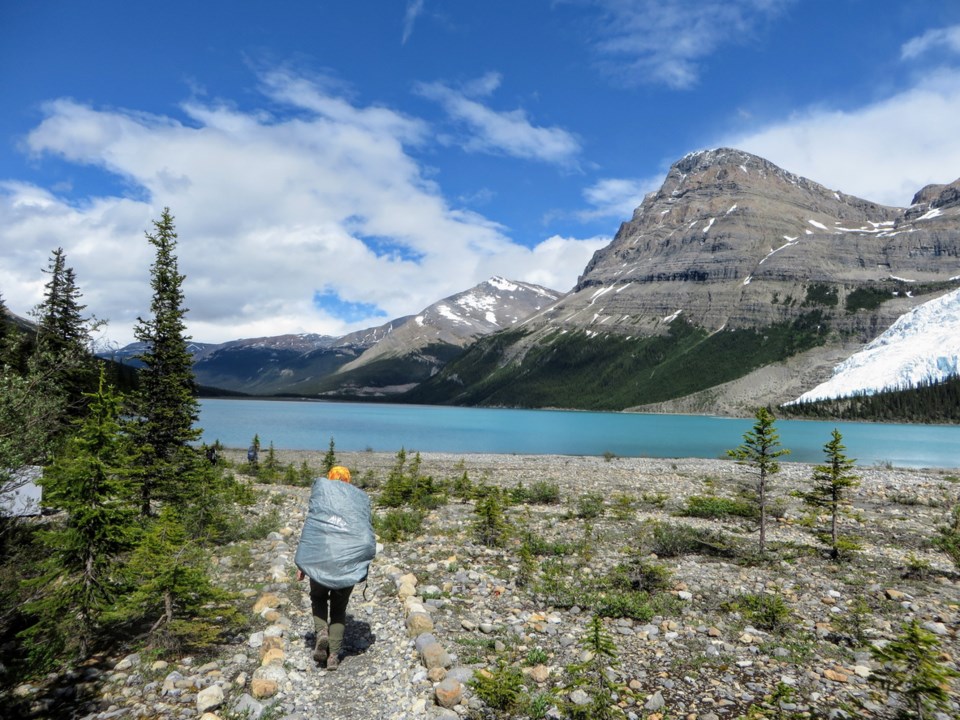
x=339, y=472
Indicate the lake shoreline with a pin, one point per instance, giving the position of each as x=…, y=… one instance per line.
x=297, y=425
x=376, y=459
x=623, y=472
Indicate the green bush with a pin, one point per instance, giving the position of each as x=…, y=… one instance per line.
x=913, y=675
x=501, y=689
x=629, y=604
x=624, y=506
x=948, y=537
x=557, y=588
x=536, y=656
x=462, y=486
x=490, y=525
x=712, y=506
x=367, y=481
x=867, y=298
x=639, y=574
x=821, y=294
x=673, y=540
x=262, y=525
x=766, y=612
x=589, y=506
x=397, y=525
x=539, y=545
x=544, y=492
x=406, y=486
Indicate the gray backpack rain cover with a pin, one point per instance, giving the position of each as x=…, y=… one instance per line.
x=337, y=542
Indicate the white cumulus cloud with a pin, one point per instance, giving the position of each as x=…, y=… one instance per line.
x=272, y=210
x=947, y=38
x=883, y=151
x=617, y=197
x=505, y=132
x=664, y=41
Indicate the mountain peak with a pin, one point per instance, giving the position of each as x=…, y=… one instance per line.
x=700, y=160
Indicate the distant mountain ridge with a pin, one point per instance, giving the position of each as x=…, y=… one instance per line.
x=375, y=362
x=730, y=239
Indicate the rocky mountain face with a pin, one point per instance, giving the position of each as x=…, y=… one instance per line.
x=382, y=360
x=731, y=241
x=731, y=254
x=460, y=319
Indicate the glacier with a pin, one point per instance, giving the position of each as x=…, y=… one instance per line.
x=922, y=345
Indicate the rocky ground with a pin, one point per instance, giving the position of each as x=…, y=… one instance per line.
x=442, y=608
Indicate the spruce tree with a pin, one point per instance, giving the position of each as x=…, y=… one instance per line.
x=165, y=402
x=829, y=492
x=61, y=326
x=63, y=334
x=330, y=458
x=89, y=482
x=914, y=673
x=593, y=675
x=172, y=589
x=760, y=450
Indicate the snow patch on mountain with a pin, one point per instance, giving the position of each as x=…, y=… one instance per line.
x=922, y=345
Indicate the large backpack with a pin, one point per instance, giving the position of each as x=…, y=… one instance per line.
x=337, y=542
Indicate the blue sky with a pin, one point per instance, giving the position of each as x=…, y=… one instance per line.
x=334, y=164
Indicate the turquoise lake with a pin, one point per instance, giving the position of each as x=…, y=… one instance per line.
x=309, y=425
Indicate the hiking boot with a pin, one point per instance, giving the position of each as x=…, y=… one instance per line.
x=333, y=662
x=322, y=648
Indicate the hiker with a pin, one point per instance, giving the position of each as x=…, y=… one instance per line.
x=336, y=546
x=252, y=455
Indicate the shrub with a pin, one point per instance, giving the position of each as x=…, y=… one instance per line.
x=527, y=565
x=517, y=495
x=639, y=574
x=767, y=612
x=462, y=487
x=916, y=568
x=628, y=604
x=406, y=486
x=712, y=506
x=853, y=624
x=556, y=588
x=594, y=677
x=673, y=540
x=543, y=492
x=821, y=294
x=262, y=525
x=657, y=499
x=913, y=672
x=397, y=525
x=589, y=505
x=367, y=481
x=948, y=537
x=624, y=506
x=490, y=526
x=537, y=706
x=541, y=546
x=501, y=689
x=536, y=656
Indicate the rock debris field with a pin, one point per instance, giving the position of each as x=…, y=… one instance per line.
x=723, y=634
